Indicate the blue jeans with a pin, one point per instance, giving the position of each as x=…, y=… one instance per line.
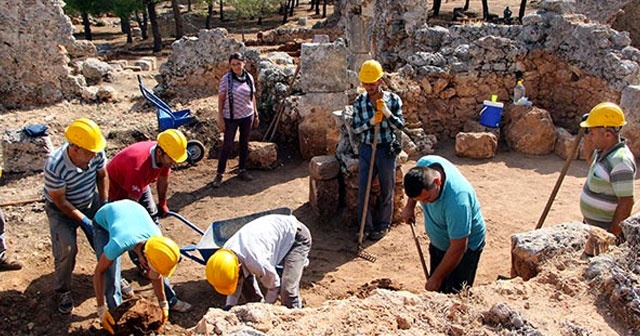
x=64, y=244
x=112, y=276
x=385, y=169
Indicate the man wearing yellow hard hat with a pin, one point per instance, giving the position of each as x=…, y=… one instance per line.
x=377, y=115
x=607, y=197
x=254, y=251
x=5, y=264
x=134, y=168
x=123, y=226
x=75, y=186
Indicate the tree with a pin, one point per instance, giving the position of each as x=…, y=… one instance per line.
x=124, y=9
x=523, y=6
x=142, y=22
x=485, y=10
x=86, y=7
x=178, y=19
x=246, y=9
x=155, y=30
x=436, y=7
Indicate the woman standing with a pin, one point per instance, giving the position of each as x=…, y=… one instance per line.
x=236, y=109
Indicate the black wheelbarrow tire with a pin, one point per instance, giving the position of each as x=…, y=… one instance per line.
x=195, y=151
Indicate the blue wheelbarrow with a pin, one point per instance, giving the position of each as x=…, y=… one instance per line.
x=168, y=118
x=218, y=233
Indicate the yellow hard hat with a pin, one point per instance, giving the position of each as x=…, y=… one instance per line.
x=605, y=115
x=85, y=134
x=223, y=271
x=174, y=143
x=163, y=254
x=370, y=72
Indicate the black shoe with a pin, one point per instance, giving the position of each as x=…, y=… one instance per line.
x=217, y=182
x=378, y=234
x=245, y=176
x=6, y=265
x=365, y=235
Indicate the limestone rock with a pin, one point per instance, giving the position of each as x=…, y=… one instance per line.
x=530, y=249
x=565, y=143
x=476, y=145
x=262, y=155
x=324, y=196
x=530, y=130
x=325, y=167
x=22, y=153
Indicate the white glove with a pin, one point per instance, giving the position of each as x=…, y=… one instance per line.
x=272, y=295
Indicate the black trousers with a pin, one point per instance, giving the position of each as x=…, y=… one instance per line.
x=464, y=274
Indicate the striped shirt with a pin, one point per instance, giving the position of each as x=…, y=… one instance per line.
x=60, y=172
x=610, y=176
x=364, y=110
x=242, y=100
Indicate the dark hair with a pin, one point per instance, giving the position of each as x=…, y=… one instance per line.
x=236, y=56
x=418, y=178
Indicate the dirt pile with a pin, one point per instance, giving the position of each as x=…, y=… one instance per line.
x=137, y=316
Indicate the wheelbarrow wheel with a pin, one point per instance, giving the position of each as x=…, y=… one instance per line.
x=195, y=151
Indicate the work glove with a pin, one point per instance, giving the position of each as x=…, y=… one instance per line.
x=272, y=295
x=164, y=305
x=106, y=319
x=163, y=209
x=382, y=106
x=86, y=225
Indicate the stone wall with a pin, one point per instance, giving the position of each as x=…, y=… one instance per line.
x=35, y=37
x=569, y=65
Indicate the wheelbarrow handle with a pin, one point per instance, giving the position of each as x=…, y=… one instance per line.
x=186, y=251
x=184, y=220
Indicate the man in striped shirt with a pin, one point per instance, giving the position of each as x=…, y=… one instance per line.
x=71, y=175
x=608, y=195
x=377, y=114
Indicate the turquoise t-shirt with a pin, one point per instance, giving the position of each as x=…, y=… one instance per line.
x=128, y=224
x=456, y=213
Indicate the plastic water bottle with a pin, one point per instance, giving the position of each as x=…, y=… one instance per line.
x=518, y=92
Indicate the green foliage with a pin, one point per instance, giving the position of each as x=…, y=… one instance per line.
x=94, y=7
x=246, y=9
x=124, y=8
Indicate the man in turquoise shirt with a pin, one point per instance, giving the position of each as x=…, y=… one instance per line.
x=123, y=226
x=452, y=218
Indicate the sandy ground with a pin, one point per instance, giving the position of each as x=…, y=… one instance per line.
x=513, y=190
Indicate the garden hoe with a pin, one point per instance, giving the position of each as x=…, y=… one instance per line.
x=360, y=251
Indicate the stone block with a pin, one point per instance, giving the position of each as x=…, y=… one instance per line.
x=529, y=130
x=321, y=102
x=321, y=38
x=262, y=155
x=631, y=230
x=630, y=104
x=529, y=250
x=324, y=167
x=22, y=153
x=324, y=196
x=143, y=64
x=318, y=135
x=323, y=67
x=565, y=144
x=476, y=126
x=480, y=145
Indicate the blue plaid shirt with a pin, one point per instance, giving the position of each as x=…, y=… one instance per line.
x=364, y=110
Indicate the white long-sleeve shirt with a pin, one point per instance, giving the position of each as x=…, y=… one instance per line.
x=261, y=245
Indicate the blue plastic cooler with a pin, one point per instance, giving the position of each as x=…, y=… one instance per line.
x=491, y=114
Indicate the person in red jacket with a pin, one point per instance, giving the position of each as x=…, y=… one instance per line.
x=134, y=168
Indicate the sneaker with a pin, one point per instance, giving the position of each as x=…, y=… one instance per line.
x=217, y=182
x=245, y=176
x=181, y=306
x=65, y=303
x=378, y=234
x=126, y=289
x=6, y=265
